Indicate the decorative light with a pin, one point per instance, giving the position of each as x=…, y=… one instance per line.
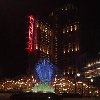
x=44, y=69
x=32, y=35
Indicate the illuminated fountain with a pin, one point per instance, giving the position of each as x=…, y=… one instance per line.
x=44, y=70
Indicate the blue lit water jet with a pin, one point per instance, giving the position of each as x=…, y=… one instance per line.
x=45, y=71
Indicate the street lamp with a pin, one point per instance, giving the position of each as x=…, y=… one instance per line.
x=78, y=74
x=91, y=80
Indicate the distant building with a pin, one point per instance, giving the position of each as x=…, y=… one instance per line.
x=58, y=38
x=92, y=68
x=65, y=22
x=39, y=41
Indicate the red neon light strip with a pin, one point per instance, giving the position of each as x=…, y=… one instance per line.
x=32, y=37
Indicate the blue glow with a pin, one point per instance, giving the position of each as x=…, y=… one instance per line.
x=44, y=69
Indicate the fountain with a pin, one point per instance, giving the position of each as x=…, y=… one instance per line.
x=45, y=71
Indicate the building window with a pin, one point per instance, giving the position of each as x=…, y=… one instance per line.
x=67, y=29
x=63, y=30
x=75, y=26
x=76, y=49
x=71, y=28
x=64, y=51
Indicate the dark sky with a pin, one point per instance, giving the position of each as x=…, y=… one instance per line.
x=13, y=29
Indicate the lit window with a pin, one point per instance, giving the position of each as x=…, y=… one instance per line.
x=75, y=27
x=43, y=30
x=67, y=29
x=66, y=8
x=69, y=45
x=71, y=28
x=47, y=52
x=37, y=25
x=63, y=31
x=64, y=51
x=50, y=33
x=76, y=49
x=36, y=46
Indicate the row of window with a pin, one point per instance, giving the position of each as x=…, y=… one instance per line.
x=45, y=29
x=70, y=50
x=71, y=28
x=92, y=73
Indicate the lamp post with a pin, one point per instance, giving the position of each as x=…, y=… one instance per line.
x=77, y=75
x=91, y=80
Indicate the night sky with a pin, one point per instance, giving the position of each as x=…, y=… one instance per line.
x=13, y=29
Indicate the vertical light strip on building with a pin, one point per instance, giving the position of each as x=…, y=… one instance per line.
x=32, y=35
x=35, y=46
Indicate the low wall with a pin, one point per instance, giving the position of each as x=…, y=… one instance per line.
x=90, y=98
x=5, y=96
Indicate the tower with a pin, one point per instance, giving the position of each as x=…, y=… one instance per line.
x=65, y=23
x=39, y=41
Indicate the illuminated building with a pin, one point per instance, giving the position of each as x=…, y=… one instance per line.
x=59, y=40
x=71, y=47
x=39, y=41
x=61, y=85
x=39, y=36
x=92, y=69
x=65, y=23
x=68, y=85
x=44, y=37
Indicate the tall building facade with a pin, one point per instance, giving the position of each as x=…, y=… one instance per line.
x=58, y=38
x=92, y=67
x=65, y=22
x=39, y=41
x=45, y=40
